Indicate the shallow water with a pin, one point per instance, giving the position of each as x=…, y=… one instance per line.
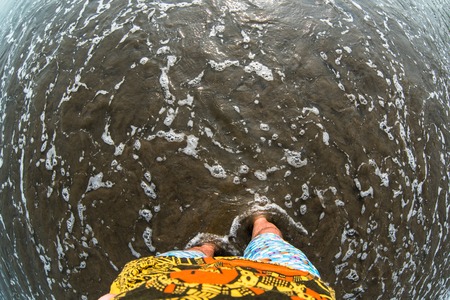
x=128, y=127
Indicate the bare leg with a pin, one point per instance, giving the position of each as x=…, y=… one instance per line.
x=107, y=297
x=261, y=225
x=207, y=249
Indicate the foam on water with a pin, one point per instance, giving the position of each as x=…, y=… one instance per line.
x=294, y=158
x=96, y=182
x=149, y=189
x=191, y=147
x=234, y=140
x=216, y=171
x=260, y=70
x=147, y=236
x=261, y=175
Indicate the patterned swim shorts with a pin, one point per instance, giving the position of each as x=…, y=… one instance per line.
x=266, y=247
x=269, y=247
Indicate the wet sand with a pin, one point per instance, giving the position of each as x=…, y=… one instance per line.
x=130, y=127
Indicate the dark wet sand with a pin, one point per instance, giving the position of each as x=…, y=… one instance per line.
x=346, y=131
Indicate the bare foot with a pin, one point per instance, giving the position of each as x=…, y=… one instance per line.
x=261, y=225
x=207, y=249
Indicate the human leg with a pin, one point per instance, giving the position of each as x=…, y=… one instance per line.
x=268, y=245
x=107, y=297
x=262, y=225
x=204, y=250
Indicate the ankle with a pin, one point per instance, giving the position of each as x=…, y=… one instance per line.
x=208, y=249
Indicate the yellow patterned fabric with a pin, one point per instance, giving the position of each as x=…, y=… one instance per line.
x=170, y=277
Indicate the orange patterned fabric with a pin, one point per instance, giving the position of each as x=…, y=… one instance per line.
x=213, y=278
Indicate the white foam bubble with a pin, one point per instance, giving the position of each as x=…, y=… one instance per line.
x=101, y=92
x=397, y=85
x=148, y=176
x=147, y=236
x=261, y=175
x=273, y=169
x=264, y=127
x=60, y=251
x=81, y=209
x=134, y=252
x=397, y=193
x=366, y=193
x=303, y=209
x=208, y=132
x=383, y=38
x=281, y=74
x=116, y=165
x=352, y=275
x=191, y=147
x=327, y=21
x=305, y=190
x=95, y=182
x=260, y=70
x=386, y=128
x=117, y=86
x=313, y=110
x=217, y=30
x=119, y=149
x=339, y=203
x=51, y=160
x=411, y=158
x=163, y=50
x=170, y=117
x=288, y=202
x=188, y=101
x=49, y=191
x=149, y=189
x=65, y=194
x=223, y=65
x=137, y=145
x=164, y=82
x=216, y=171
x=383, y=176
x=325, y=138
x=171, y=60
x=244, y=169
x=392, y=232
x=245, y=37
x=146, y=214
x=144, y=60
x=196, y=81
x=70, y=223
x=106, y=136
x=295, y=159
x=171, y=136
